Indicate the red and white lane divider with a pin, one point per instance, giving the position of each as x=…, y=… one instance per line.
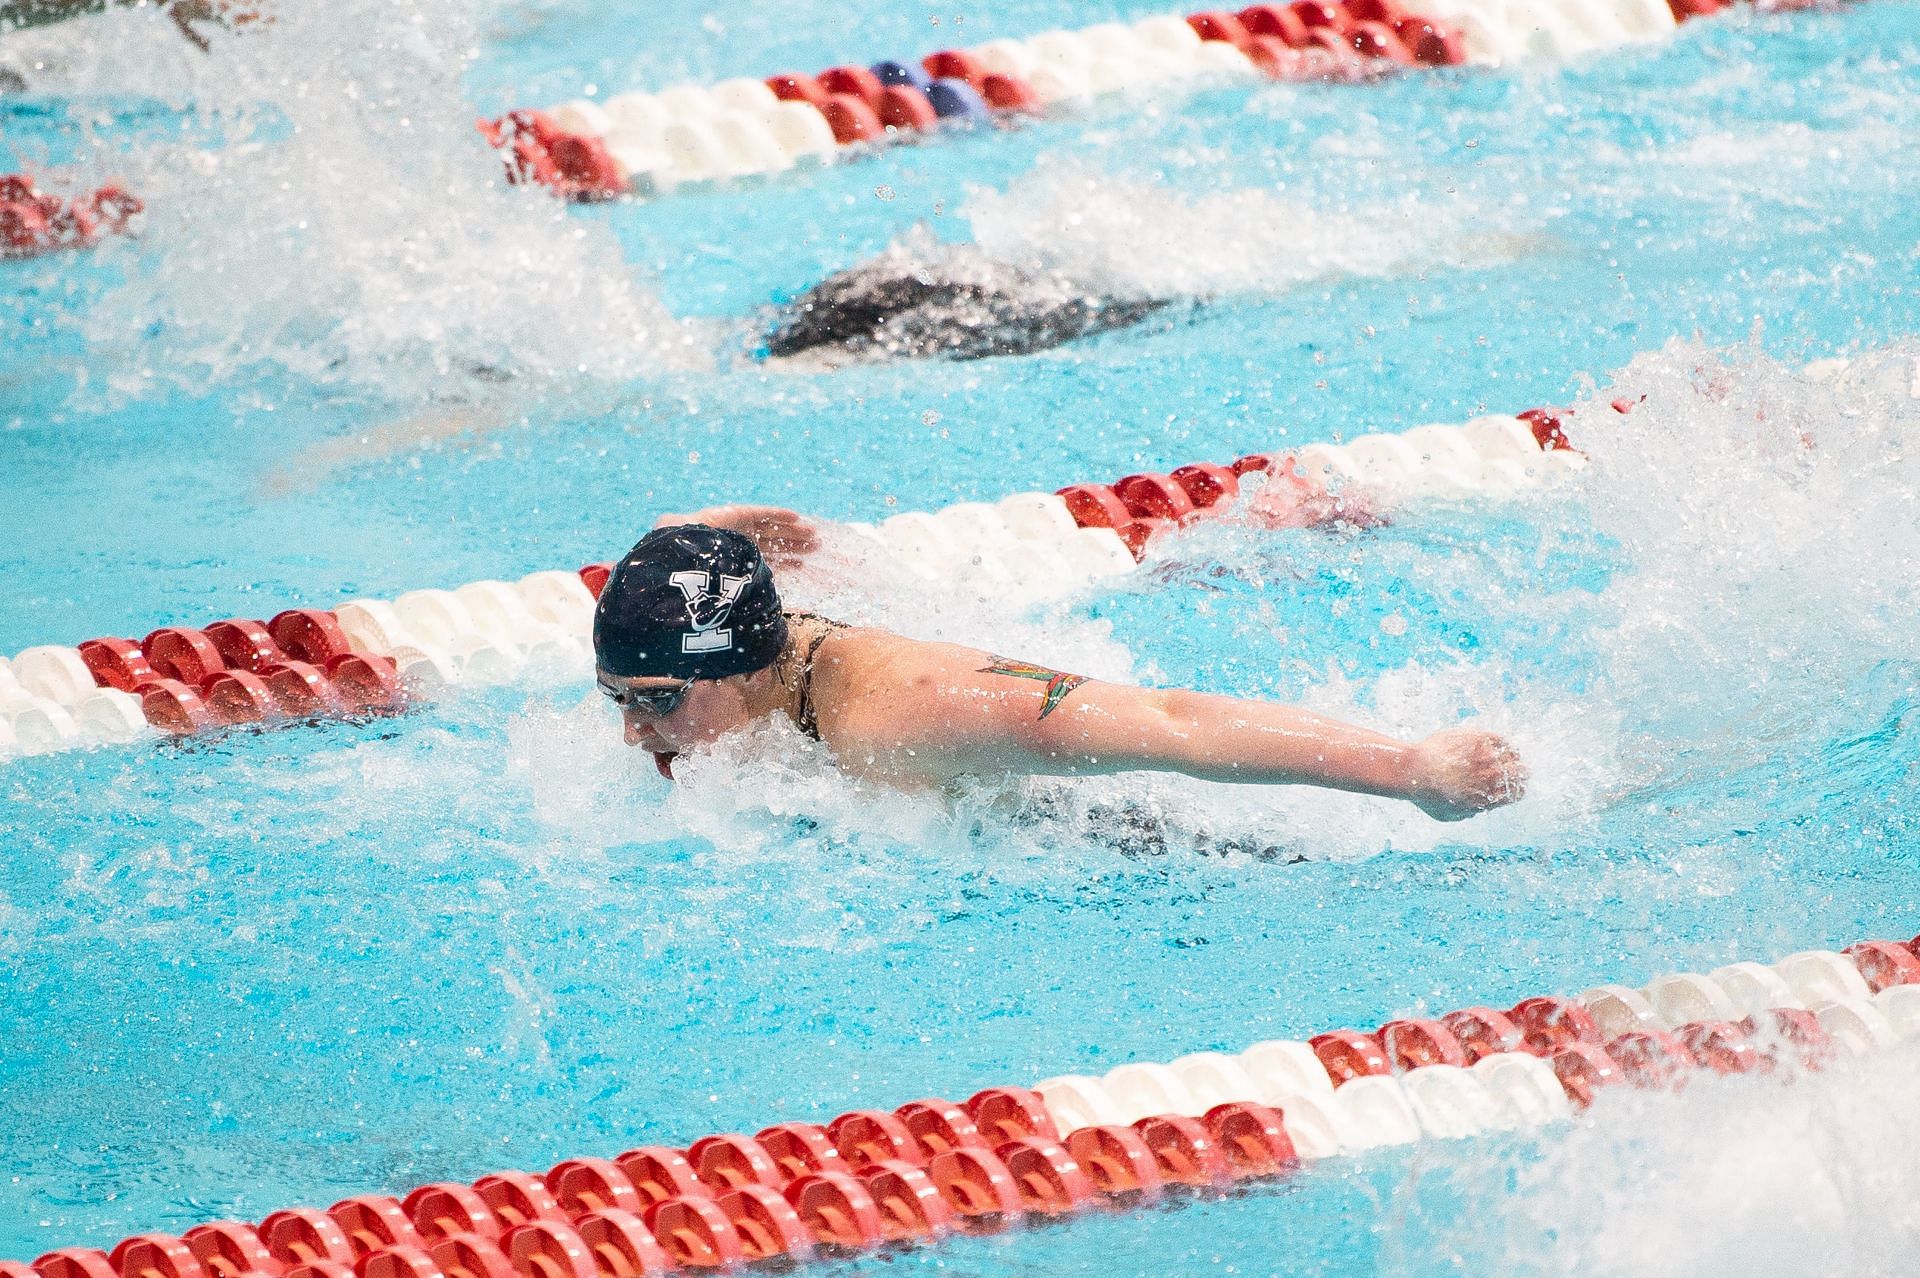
x=646, y=143
x=1010, y=1155
x=33, y=221
x=368, y=656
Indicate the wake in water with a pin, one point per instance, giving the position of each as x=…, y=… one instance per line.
x=341, y=223
x=1065, y=253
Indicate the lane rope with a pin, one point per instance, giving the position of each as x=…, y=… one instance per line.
x=374, y=656
x=1012, y=1155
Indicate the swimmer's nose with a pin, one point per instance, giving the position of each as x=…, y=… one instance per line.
x=634, y=733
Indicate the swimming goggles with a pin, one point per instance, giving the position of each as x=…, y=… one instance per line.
x=659, y=702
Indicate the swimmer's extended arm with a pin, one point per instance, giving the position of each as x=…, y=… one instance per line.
x=784, y=537
x=984, y=715
x=185, y=13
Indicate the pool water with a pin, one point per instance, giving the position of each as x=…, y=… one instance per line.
x=265, y=969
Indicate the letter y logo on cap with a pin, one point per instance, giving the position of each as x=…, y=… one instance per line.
x=706, y=610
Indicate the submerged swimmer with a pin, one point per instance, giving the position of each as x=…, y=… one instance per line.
x=691, y=643
x=921, y=299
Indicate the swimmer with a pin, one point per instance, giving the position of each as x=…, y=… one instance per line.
x=691, y=642
x=186, y=15
x=924, y=300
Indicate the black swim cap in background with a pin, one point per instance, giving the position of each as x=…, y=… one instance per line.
x=689, y=602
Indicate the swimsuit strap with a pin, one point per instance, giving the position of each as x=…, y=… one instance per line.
x=805, y=717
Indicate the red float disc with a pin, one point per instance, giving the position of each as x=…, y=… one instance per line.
x=658, y=1173
x=800, y=1148
x=155, y=1256
x=311, y=635
x=1214, y=25
x=1153, y=497
x=1721, y=1046
x=117, y=663
x=622, y=1245
x=549, y=1249
x=868, y=1136
x=227, y=1248
x=1373, y=11
x=1253, y=1138
x=471, y=1256
x=730, y=1161
x=367, y=684
x=441, y=1211
x=1276, y=22
x=1348, y=1054
x=939, y=1126
x=766, y=1222
x=855, y=81
x=1651, y=1058
x=516, y=1199
x=403, y=1260
x=1205, y=483
x=976, y=1186
x=1410, y=1044
x=323, y=1269
x=301, y=690
x=1135, y=536
x=1117, y=1161
x=373, y=1221
x=1547, y=426
x=594, y=576
x=838, y=1210
x=75, y=1262
x=587, y=170
x=909, y=1203
x=1799, y=1032
x=1049, y=1180
x=903, y=107
x=1432, y=43
x=851, y=119
x=1376, y=40
x=795, y=87
x=1551, y=1022
x=303, y=1236
x=1484, y=1032
x=183, y=653
x=1319, y=13
x=1010, y=93
x=593, y=1184
x=1252, y=462
x=244, y=645
x=173, y=707
x=236, y=696
x=1002, y=1114
x=1884, y=964
x=1095, y=506
x=1184, y=1150
x=956, y=64
x=695, y=1232
x=1582, y=1070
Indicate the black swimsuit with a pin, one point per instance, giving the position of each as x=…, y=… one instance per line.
x=805, y=717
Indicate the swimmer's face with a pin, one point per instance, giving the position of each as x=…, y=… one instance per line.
x=667, y=716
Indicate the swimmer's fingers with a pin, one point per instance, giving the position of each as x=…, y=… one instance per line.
x=784, y=536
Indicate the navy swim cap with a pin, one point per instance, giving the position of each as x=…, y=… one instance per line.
x=689, y=602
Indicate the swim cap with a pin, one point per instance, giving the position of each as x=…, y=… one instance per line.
x=689, y=602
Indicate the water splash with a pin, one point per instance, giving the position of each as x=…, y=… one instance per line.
x=346, y=224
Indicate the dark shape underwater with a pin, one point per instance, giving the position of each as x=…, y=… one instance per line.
x=923, y=300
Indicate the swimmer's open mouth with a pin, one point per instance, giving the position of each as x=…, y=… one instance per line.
x=664, y=762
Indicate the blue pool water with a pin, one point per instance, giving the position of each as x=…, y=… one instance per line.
x=266, y=969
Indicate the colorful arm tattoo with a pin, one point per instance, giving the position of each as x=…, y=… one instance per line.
x=1058, y=685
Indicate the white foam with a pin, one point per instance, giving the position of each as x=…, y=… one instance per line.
x=352, y=227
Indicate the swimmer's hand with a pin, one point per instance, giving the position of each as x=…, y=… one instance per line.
x=784, y=537
x=1462, y=772
x=224, y=13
